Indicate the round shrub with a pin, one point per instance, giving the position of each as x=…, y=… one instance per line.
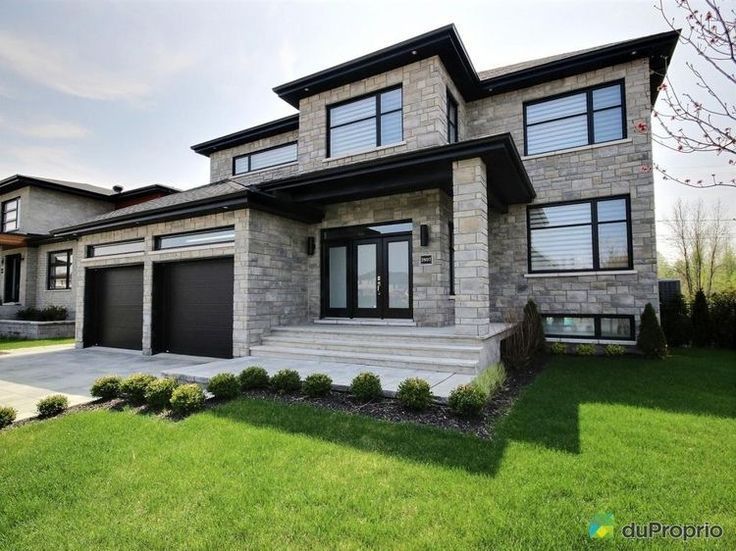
x=467, y=401
x=286, y=380
x=134, y=387
x=585, y=350
x=224, y=386
x=253, y=377
x=52, y=405
x=558, y=348
x=366, y=387
x=615, y=350
x=317, y=384
x=107, y=387
x=7, y=416
x=159, y=391
x=187, y=399
x=414, y=394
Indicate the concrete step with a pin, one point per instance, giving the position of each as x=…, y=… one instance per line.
x=374, y=346
x=448, y=365
x=397, y=335
x=366, y=322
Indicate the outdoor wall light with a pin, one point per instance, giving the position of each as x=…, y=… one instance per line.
x=310, y=246
x=424, y=235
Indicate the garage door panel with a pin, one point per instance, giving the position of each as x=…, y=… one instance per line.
x=114, y=313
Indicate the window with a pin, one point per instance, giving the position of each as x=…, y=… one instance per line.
x=452, y=135
x=365, y=123
x=266, y=158
x=196, y=238
x=582, y=235
x=594, y=326
x=60, y=270
x=592, y=115
x=119, y=247
x=10, y=214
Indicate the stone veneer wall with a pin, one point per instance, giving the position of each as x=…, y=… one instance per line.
x=582, y=173
x=431, y=283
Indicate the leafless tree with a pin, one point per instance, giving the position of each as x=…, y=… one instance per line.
x=702, y=120
x=700, y=238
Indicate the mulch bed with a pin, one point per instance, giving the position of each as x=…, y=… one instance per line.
x=386, y=409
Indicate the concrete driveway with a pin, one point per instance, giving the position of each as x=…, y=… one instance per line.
x=29, y=376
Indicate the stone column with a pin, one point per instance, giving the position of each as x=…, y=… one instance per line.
x=470, y=218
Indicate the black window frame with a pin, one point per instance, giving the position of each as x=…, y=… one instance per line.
x=596, y=326
x=451, y=228
x=91, y=248
x=249, y=155
x=452, y=104
x=4, y=212
x=377, y=115
x=51, y=277
x=590, y=111
x=594, y=234
x=157, y=239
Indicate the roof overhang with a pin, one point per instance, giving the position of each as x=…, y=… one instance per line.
x=13, y=240
x=507, y=180
x=19, y=181
x=261, y=131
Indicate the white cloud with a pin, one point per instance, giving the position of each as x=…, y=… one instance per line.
x=49, y=162
x=55, y=130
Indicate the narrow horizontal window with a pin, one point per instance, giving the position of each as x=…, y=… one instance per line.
x=266, y=158
x=60, y=270
x=10, y=215
x=365, y=123
x=588, y=116
x=582, y=235
x=197, y=238
x=119, y=247
x=594, y=326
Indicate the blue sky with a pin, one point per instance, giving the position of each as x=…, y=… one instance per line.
x=117, y=92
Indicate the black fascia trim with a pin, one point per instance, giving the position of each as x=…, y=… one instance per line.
x=444, y=42
x=18, y=181
x=266, y=130
x=657, y=47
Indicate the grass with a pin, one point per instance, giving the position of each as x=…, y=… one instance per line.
x=14, y=344
x=491, y=379
x=644, y=440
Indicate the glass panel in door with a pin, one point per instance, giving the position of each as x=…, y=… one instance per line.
x=367, y=277
x=398, y=274
x=337, y=266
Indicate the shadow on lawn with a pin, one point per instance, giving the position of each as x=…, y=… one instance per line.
x=693, y=382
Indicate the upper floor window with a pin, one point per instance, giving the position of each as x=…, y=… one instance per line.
x=581, y=235
x=452, y=135
x=10, y=214
x=365, y=123
x=117, y=247
x=583, y=117
x=266, y=158
x=196, y=238
x=60, y=270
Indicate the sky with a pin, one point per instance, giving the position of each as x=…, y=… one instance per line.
x=117, y=92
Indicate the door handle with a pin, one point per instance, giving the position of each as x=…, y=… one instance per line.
x=378, y=285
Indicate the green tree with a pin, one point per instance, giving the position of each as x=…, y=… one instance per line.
x=651, y=339
x=701, y=320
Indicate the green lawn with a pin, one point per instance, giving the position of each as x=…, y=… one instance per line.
x=642, y=440
x=14, y=344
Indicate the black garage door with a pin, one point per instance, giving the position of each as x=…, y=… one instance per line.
x=193, y=308
x=114, y=307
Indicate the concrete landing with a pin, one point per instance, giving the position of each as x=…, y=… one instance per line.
x=342, y=374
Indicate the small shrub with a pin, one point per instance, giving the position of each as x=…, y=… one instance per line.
x=491, y=379
x=414, y=394
x=723, y=309
x=107, y=387
x=520, y=348
x=317, y=384
x=253, y=377
x=50, y=313
x=285, y=381
x=134, y=387
x=7, y=416
x=159, y=392
x=558, y=348
x=52, y=405
x=187, y=399
x=224, y=386
x=467, y=401
x=651, y=339
x=615, y=350
x=366, y=387
x=676, y=322
x=585, y=350
x=702, y=332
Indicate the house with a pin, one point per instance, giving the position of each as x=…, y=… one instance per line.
x=409, y=192
x=37, y=267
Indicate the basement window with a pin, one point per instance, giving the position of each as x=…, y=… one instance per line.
x=589, y=326
x=196, y=238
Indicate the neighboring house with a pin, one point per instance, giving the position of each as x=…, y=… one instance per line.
x=408, y=188
x=37, y=268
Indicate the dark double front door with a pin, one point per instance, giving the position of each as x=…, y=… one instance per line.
x=367, y=277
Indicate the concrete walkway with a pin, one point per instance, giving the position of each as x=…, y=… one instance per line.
x=342, y=374
x=28, y=375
